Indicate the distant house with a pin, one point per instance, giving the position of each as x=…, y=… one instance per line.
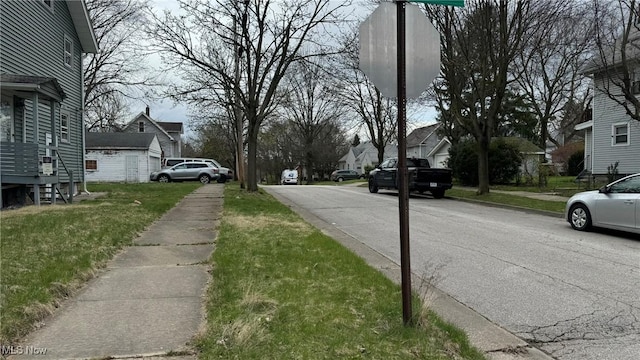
x=532, y=155
x=363, y=155
x=425, y=143
x=41, y=104
x=121, y=157
x=611, y=136
x=169, y=133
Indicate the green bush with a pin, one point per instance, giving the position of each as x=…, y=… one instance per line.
x=504, y=162
x=367, y=169
x=575, y=163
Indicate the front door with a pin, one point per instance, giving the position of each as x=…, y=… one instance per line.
x=6, y=119
x=132, y=168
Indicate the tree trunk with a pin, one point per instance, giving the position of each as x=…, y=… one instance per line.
x=252, y=182
x=239, y=149
x=483, y=165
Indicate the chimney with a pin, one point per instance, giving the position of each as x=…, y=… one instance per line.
x=147, y=110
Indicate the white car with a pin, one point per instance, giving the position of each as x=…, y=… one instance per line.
x=614, y=206
x=289, y=177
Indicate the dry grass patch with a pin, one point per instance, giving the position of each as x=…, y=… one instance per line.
x=282, y=289
x=250, y=223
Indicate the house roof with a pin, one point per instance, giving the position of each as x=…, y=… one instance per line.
x=155, y=123
x=584, y=125
x=46, y=86
x=525, y=146
x=419, y=135
x=82, y=23
x=171, y=126
x=118, y=140
x=611, y=56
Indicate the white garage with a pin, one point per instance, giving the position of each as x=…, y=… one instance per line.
x=121, y=157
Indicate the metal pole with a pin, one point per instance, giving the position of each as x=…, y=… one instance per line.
x=403, y=185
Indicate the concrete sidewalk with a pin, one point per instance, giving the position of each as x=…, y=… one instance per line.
x=149, y=299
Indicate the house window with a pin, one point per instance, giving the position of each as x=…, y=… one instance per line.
x=141, y=126
x=91, y=165
x=620, y=134
x=48, y=4
x=68, y=51
x=64, y=127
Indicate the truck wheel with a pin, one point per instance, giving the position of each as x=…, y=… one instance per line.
x=437, y=194
x=373, y=186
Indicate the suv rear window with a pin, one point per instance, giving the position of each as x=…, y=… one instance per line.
x=196, y=165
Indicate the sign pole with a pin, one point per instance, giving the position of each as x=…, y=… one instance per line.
x=403, y=185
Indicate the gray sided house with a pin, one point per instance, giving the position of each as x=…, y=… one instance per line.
x=121, y=157
x=41, y=105
x=425, y=143
x=169, y=133
x=363, y=155
x=611, y=136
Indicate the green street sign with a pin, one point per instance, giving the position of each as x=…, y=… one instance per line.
x=441, y=2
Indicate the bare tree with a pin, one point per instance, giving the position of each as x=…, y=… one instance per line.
x=618, y=53
x=374, y=112
x=111, y=75
x=480, y=43
x=311, y=105
x=202, y=42
x=549, y=67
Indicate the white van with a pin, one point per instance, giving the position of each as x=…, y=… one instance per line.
x=225, y=173
x=289, y=177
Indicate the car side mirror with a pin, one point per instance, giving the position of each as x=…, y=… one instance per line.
x=603, y=190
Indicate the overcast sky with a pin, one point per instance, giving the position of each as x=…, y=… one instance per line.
x=167, y=110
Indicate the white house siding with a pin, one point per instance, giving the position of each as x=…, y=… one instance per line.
x=112, y=165
x=441, y=157
x=606, y=113
x=348, y=162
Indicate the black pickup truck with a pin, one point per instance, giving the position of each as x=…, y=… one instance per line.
x=421, y=176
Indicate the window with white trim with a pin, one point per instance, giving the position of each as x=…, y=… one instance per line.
x=64, y=126
x=68, y=52
x=620, y=134
x=141, y=126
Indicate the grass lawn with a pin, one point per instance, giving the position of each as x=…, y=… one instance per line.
x=282, y=289
x=48, y=251
x=508, y=199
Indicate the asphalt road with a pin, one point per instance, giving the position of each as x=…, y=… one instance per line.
x=573, y=295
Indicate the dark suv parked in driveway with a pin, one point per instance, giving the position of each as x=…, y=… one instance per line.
x=341, y=175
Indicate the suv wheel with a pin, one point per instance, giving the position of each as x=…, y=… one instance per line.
x=373, y=186
x=222, y=179
x=204, y=179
